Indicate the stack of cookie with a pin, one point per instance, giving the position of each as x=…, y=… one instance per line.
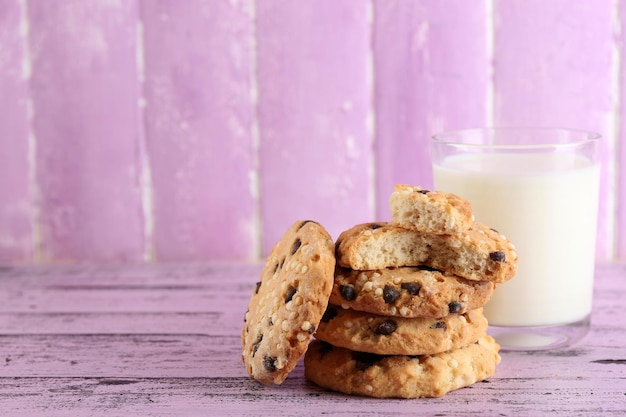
x=403, y=316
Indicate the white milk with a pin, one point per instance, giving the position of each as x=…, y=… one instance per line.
x=548, y=210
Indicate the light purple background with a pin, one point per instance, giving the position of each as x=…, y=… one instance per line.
x=167, y=130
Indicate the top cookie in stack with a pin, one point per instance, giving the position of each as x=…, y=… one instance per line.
x=475, y=252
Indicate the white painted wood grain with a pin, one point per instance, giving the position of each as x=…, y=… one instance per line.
x=199, y=122
x=84, y=90
x=260, y=112
x=432, y=73
x=17, y=202
x=314, y=107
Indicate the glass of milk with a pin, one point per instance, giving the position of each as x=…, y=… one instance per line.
x=539, y=187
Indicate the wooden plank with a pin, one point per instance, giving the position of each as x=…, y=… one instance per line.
x=73, y=295
x=554, y=66
x=314, y=109
x=86, y=122
x=17, y=214
x=56, y=299
x=127, y=355
x=138, y=299
x=432, y=73
x=620, y=151
x=130, y=275
x=200, y=119
x=137, y=322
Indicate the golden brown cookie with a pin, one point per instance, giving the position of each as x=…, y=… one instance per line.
x=288, y=302
x=437, y=212
x=372, y=375
x=408, y=291
x=385, y=335
x=480, y=253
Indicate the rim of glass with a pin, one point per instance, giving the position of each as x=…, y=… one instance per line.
x=589, y=136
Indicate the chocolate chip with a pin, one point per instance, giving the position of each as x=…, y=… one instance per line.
x=364, y=359
x=290, y=293
x=311, y=329
x=412, y=288
x=305, y=222
x=329, y=314
x=494, y=230
x=269, y=363
x=375, y=226
x=386, y=328
x=455, y=307
x=325, y=348
x=390, y=294
x=347, y=292
x=423, y=191
x=497, y=256
x=257, y=286
x=270, y=322
x=255, y=347
x=296, y=245
x=428, y=268
x=439, y=325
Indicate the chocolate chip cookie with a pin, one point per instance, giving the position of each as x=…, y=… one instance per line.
x=419, y=291
x=400, y=376
x=480, y=253
x=288, y=302
x=385, y=335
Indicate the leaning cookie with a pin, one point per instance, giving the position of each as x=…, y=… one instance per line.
x=437, y=212
x=480, y=253
x=372, y=375
x=408, y=291
x=288, y=302
x=384, y=335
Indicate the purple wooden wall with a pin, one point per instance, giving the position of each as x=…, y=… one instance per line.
x=161, y=130
x=17, y=211
x=200, y=118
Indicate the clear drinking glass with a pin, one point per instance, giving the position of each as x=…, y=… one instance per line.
x=540, y=188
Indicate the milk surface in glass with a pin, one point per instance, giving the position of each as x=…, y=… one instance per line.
x=546, y=204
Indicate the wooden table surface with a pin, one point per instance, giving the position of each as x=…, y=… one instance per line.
x=165, y=340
